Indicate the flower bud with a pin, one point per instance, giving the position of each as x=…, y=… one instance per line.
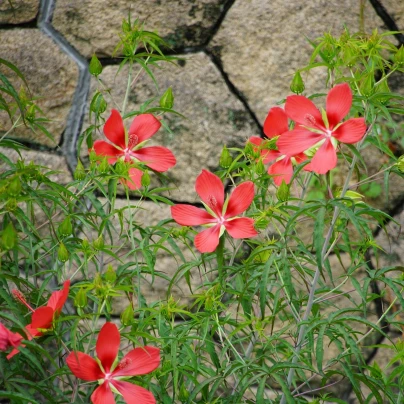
x=121, y=168
x=63, y=254
x=167, y=99
x=85, y=245
x=14, y=186
x=98, y=243
x=127, y=316
x=225, y=158
x=400, y=163
x=399, y=56
x=80, y=299
x=11, y=205
x=145, y=180
x=95, y=67
x=366, y=85
x=283, y=192
x=110, y=274
x=65, y=228
x=260, y=168
x=297, y=85
x=383, y=88
x=79, y=172
x=9, y=237
x=104, y=166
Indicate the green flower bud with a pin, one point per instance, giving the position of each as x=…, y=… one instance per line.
x=400, y=164
x=14, y=186
x=9, y=237
x=249, y=150
x=121, y=168
x=225, y=158
x=127, y=316
x=167, y=99
x=184, y=393
x=85, y=245
x=366, y=85
x=80, y=299
x=63, y=254
x=399, y=56
x=110, y=274
x=65, y=228
x=95, y=67
x=260, y=168
x=79, y=172
x=145, y=180
x=98, y=103
x=31, y=112
x=11, y=205
x=297, y=85
x=98, y=243
x=283, y=192
x=383, y=88
x=104, y=166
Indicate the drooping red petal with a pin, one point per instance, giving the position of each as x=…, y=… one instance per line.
x=144, y=127
x=42, y=317
x=282, y=170
x=134, y=394
x=207, y=240
x=107, y=346
x=324, y=160
x=139, y=361
x=255, y=140
x=188, y=215
x=8, y=338
x=114, y=129
x=240, y=199
x=103, y=395
x=58, y=298
x=135, y=179
x=84, y=366
x=158, y=158
x=103, y=148
x=297, y=141
x=276, y=122
x=211, y=190
x=242, y=227
x=338, y=104
x=351, y=131
x=303, y=111
x=271, y=155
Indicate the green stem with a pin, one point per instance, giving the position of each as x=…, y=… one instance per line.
x=220, y=259
x=125, y=100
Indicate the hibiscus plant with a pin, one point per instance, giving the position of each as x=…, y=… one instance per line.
x=276, y=287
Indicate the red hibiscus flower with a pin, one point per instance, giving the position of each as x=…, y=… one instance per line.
x=312, y=128
x=276, y=124
x=130, y=146
x=42, y=317
x=109, y=375
x=8, y=339
x=219, y=214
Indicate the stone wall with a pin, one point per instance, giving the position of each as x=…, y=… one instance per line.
x=239, y=58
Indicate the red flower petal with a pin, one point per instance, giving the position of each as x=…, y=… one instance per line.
x=139, y=361
x=325, y=159
x=338, y=104
x=302, y=110
x=255, y=140
x=144, y=127
x=8, y=338
x=188, y=215
x=282, y=170
x=107, y=346
x=207, y=240
x=351, y=131
x=58, y=298
x=103, y=395
x=134, y=394
x=114, y=129
x=270, y=155
x=42, y=317
x=242, y=227
x=276, y=122
x=103, y=148
x=158, y=158
x=84, y=366
x=135, y=179
x=211, y=190
x=240, y=199
x=297, y=141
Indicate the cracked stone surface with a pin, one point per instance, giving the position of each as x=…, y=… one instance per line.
x=51, y=75
x=18, y=11
x=93, y=26
x=260, y=58
x=215, y=117
x=396, y=10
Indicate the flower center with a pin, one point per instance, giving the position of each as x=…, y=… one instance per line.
x=328, y=133
x=132, y=141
